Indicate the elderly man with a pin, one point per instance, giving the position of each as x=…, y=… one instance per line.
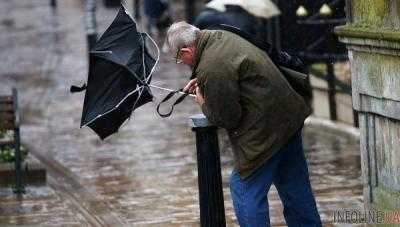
x=239, y=89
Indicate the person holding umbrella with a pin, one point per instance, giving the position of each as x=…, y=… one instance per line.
x=240, y=89
x=233, y=15
x=243, y=14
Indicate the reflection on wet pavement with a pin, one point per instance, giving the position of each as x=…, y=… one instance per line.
x=146, y=175
x=40, y=206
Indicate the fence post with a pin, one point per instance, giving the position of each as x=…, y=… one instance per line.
x=331, y=90
x=212, y=211
x=19, y=187
x=91, y=25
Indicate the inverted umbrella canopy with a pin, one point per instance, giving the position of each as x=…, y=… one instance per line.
x=120, y=70
x=259, y=8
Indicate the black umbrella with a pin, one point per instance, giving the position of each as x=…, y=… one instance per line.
x=120, y=70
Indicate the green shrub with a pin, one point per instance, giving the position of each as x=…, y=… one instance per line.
x=7, y=154
x=2, y=133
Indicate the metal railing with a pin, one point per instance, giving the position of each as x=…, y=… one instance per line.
x=319, y=44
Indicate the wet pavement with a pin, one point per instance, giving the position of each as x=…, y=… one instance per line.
x=146, y=175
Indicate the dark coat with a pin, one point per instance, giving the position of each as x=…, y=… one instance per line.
x=234, y=16
x=155, y=8
x=247, y=95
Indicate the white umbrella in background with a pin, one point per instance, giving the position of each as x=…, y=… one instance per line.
x=258, y=8
x=220, y=4
x=261, y=8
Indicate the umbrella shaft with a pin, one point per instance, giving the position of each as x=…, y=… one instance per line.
x=167, y=89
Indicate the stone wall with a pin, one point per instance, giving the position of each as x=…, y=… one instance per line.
x=373, y=40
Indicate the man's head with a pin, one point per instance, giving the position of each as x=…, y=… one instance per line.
x=182, y=39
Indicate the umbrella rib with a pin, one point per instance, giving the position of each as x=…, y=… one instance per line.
x=158, y=55
x=116, y=106
x=144, y=76
x=152, y=70
x=171, y=90
x=144, y=70
x=144, y=66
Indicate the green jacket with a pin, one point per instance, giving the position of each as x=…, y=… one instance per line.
x=247, y=95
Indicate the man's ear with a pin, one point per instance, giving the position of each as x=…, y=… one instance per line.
x=186, y=50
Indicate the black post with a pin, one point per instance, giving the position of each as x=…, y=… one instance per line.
x=331, y=90
x=53, y=3
x=19, y=187
x=212, y=211
x=91, y=25
x=190, y=9
x=136, y=10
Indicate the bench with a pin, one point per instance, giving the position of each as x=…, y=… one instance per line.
x=9, y=121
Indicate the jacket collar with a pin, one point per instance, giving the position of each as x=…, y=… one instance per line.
x=201, y=44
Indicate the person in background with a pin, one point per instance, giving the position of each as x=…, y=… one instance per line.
x=157, y=13
x=233, y=15
x=247, y=15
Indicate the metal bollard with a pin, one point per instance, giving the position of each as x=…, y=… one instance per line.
x=91, y=25
x=212, y=211
x=53, y=3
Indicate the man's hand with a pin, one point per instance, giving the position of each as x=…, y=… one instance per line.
x=199, y=97
x=191, y=86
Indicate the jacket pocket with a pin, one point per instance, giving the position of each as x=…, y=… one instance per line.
x=248, y=122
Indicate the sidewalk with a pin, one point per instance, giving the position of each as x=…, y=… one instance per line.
x=146, y=175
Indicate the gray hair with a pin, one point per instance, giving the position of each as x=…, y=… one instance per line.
x=182, y=34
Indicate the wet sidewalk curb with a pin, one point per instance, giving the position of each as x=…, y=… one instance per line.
x=94, y=210
x=34, y=173
x=337, y=127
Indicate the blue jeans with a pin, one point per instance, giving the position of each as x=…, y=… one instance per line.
x=287, y=169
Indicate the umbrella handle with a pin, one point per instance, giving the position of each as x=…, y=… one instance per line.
x=169, y=96
x=74, y=89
